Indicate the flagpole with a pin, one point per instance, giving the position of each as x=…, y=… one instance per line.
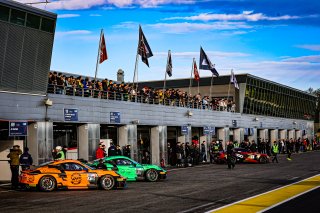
x=191, y=77
x=211, y=86
x=229, y=86
x=198, y=81
x=98, y=57
x=165, y=73
x=136, y=67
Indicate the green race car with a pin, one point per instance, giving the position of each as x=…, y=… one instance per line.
x=132, y=170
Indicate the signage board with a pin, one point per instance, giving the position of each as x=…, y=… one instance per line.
x=18, y=128
x=184, y=130
x=115, y=117
x=70, y=114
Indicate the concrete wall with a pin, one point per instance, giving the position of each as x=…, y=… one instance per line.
x=97, y=111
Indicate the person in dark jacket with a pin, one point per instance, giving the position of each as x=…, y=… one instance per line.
x=25, y=159
x=118, y=151
x=112, y=150
x=127, y=151
x=231, y=160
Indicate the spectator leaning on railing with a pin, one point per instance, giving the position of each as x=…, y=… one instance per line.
x=107, y=89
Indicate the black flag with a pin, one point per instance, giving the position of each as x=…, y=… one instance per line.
x=144, y=49
x=205, y=63
x=169, y=64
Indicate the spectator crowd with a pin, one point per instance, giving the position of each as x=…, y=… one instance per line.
x=107, y=89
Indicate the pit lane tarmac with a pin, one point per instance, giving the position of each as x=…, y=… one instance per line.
x=194, y=189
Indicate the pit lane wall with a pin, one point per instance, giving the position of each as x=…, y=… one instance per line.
x=92, y=112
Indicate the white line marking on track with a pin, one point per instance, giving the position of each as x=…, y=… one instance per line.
x=260, y=194
x=293, y=178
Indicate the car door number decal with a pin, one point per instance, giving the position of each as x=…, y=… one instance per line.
x=239, y=156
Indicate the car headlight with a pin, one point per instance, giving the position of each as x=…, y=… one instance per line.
x=92, y=177
x=139, y=171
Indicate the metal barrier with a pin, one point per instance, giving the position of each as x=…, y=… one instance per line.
x=131, y=97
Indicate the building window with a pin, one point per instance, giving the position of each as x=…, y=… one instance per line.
x=4, y=13
x=33, y=21
x=17, y=17
x=47, y=25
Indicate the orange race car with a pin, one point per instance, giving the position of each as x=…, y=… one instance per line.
x=70, y=174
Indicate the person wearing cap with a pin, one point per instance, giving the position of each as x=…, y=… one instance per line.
x=58, y=153
x=14, y=154
x=25, y=159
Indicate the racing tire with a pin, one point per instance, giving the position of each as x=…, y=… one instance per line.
x=263, y=160
x=152, y=175
x=107, y=182
x=47, y=183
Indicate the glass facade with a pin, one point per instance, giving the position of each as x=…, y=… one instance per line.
x=26, y=19
x=271, y=99
x=4, y=13
x=17, y=17
x=33, y=21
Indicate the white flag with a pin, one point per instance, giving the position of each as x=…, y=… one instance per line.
x=233, y=80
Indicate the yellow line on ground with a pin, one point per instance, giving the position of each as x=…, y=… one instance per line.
x=268, y=199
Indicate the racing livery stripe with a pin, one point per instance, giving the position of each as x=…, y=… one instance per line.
x=268, y=200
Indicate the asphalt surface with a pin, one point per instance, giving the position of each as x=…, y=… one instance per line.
x=193, y=189
x=304, y=203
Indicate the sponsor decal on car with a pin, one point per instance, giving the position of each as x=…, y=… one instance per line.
x=75, y=178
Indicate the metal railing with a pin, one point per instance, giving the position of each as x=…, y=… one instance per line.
x=137, y=98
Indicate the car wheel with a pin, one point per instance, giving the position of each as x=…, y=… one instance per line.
x=47, y=184
x=263, y=160
x=152, y=175
x=107, y=182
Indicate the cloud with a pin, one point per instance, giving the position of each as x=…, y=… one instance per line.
x=86, y=4
x=95, y=15
x=195, y=27
x=68, y=15
x=309, y=47
x=304, y=59
x=73, y=32
x=244, y=16
x=67, y=4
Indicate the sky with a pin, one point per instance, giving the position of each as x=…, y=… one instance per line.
x=274, y=39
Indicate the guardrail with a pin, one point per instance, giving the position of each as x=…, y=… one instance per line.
x=132, y=97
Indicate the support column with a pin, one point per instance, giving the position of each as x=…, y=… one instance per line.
x=40, y=141
x=298, y=134
x=224, y=135
x=292, y=134
x=83, y=144
x=158, y=144
x=263, y=134
x=283, y=134
x=253, y=136
x=88, y=140
x=237, y=135
x=128, y=136
x=273, y=135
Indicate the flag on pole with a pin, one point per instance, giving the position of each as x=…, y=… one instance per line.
x=195, y=71
x=205, y=63
x=169, y=64
x=144, y=49
x=103, y=49
x=233, y=80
